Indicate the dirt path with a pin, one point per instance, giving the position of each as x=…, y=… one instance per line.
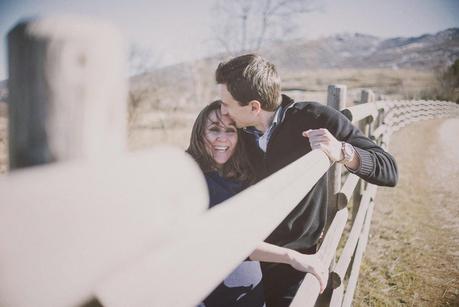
x=412, y=256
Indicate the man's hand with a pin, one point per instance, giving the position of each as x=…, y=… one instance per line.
x=322, y=139
x=310, y=264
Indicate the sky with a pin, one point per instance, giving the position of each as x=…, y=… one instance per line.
x=176, y=30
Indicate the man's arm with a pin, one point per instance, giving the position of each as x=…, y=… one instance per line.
x=370, y=161
x=322, y=139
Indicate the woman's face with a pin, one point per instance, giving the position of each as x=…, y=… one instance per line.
x=221, y=136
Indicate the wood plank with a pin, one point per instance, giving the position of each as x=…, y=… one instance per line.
x=216, y=244
x=352, y=283
x=309, y=290
x=354, y=234
x=63, y=227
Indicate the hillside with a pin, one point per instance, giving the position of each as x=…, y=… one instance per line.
x=429, y=51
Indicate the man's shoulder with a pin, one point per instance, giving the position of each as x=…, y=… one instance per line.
x=309, y=108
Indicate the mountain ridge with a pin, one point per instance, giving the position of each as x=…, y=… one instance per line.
x=358, y=50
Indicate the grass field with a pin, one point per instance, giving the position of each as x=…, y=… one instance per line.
x=412, y=257
x=172, y=126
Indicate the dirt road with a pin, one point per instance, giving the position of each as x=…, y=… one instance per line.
x=412, y=257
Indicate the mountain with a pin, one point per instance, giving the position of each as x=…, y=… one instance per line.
x=193, y=83
x=365, y=51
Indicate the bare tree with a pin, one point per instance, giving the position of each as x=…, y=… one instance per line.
x=250, y=24
x=141, y=62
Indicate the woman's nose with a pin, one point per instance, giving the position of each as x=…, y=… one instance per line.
x=223, y=109
x=221, y=136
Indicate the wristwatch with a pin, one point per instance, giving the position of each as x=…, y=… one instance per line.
x=348, y=152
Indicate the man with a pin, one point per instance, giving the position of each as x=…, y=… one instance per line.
x=279, y=131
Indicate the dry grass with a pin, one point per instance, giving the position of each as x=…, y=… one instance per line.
x=413, y=253
x=169, y=124
x=397, y=84
x=155, y=122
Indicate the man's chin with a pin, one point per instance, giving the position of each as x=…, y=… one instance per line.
x=239, y=126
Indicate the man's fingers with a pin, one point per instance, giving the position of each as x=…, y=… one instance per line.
x=310, y=133
x=319, y=145
x=313, y=132
x=323, y=139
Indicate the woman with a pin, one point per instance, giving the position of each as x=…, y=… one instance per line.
x=214, y=145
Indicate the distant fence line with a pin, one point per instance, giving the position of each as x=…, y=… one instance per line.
x=133, y=229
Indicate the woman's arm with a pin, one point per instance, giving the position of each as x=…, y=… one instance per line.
x=266, y=252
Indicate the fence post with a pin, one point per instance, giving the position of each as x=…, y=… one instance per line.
x=336, y=99
x=367, y=96
x=67, y=90
x=364, y=125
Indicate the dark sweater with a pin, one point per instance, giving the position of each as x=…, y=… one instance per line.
x=301, y=229
x=220, y=189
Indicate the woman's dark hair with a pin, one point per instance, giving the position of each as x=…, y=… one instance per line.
x=237, y=167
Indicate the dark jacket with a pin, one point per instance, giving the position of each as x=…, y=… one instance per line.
x=220, y=189
x=301, y=229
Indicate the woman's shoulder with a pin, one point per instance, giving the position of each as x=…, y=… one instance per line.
x=221, y=188
x=215, y=178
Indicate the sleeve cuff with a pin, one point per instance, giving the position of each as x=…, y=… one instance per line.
x=366, y=163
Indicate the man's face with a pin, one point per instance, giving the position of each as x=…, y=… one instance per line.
x=241, y=115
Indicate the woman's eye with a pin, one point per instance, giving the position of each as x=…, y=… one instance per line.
x=214, y=129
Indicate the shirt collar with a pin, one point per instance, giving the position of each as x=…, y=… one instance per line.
x=278, y=118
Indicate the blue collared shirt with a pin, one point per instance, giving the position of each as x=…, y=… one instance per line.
x=263, y=139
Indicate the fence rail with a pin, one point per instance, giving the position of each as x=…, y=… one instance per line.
x=132, y=230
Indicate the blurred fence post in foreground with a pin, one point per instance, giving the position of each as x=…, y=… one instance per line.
x=67, y=91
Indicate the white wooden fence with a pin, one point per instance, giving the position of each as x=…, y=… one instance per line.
x=133, y=229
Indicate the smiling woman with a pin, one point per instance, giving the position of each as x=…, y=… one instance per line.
x=221, y=137
x=214, y=145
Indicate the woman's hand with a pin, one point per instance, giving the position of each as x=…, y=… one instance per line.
x=310, y=264
x=267, y=252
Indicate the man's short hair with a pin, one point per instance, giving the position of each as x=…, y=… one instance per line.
x=251, y=77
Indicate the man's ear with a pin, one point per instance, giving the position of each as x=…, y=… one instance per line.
x=255, y=106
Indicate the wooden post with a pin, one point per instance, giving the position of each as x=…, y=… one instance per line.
x=336, y=99
x=364, y=125
x=367, y=96
x=67, y=91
